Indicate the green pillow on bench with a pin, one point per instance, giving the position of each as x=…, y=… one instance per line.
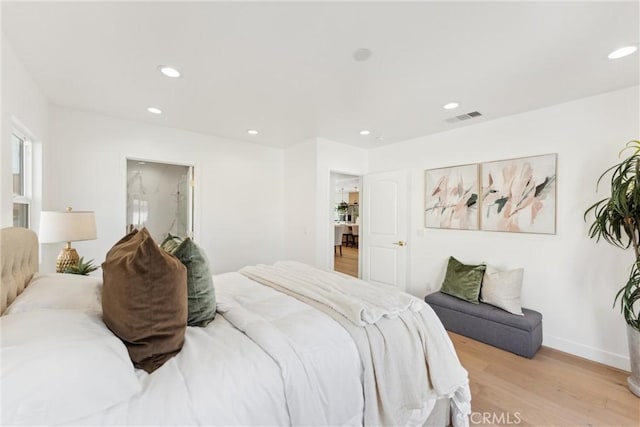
x=463, y=281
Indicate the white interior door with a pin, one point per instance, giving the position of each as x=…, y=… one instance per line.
x=384, y=228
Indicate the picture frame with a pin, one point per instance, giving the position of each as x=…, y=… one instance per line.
x=519, y=195
x=451, y=197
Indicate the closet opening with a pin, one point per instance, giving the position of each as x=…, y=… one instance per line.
x=160, y=198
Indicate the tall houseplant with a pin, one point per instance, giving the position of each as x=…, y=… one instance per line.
x=617, y=221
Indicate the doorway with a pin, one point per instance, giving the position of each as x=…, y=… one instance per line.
x=160, y=198
x=345, y=222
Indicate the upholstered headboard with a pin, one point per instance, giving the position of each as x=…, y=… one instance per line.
x=19, y=253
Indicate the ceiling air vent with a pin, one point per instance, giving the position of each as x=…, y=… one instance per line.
x=462, y=117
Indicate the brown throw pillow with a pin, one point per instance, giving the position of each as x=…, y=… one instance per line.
x=144, y=299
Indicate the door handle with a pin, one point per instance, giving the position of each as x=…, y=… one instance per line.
x=400, y=243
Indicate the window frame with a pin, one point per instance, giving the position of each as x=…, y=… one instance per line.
x=26, y=197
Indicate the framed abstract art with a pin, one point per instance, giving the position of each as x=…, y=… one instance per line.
x=451, y=197
x=519, y=195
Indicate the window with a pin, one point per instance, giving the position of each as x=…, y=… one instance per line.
x=21, y=175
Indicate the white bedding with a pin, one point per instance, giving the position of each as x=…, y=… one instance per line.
x=223, y=376
x=395, y=334
x=318, y=360
x=266, y=359
x=362, y=303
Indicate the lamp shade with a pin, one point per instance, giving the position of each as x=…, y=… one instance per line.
x=67, y=226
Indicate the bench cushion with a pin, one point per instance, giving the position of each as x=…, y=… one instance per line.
x=521, y=335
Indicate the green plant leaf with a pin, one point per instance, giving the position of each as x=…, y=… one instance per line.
x=82, y=267
x=616, y=220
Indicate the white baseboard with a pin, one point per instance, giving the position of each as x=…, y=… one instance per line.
x=620, y=361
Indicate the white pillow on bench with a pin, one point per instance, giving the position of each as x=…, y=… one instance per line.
x=502, y=289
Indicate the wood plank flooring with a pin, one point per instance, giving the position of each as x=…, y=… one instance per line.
x=552, y=389
x=348, y=262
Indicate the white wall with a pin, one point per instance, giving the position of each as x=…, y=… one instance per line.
x=300, y=216
x=569, y=278
x=238, y=194
x=309, y=204
x=24, y=106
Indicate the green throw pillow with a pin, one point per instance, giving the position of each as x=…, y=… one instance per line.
x=463, y=281
x=201, y=294
x=171, y=242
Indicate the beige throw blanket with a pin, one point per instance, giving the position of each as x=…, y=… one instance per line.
x=408, y=359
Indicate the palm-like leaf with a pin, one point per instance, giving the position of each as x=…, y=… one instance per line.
x=616, y=219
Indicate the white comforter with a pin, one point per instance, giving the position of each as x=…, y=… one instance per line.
x=395, y=334
x=257, y=363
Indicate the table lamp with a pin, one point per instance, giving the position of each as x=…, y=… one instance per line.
x=69, y=226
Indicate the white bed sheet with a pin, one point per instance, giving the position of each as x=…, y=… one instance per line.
x=240, y=369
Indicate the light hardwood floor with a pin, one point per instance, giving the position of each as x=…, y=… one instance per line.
x=348, y=262
x=552, y=389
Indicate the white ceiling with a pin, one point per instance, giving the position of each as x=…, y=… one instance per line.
x=287, y=70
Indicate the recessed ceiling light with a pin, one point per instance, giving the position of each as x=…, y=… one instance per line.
x=622, y=52
x=252, y=132
x=380, y=138
x=154, y=110
x=169, y=71
x=365, y=132
x=451, y=105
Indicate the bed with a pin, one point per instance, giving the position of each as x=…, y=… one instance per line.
x=272, y=356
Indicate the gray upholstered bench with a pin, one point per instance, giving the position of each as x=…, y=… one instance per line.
x=521, y=335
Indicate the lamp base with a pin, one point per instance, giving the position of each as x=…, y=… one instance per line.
x=66, y=258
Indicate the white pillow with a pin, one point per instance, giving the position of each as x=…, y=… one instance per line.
x=61, y=291
x=502, y=289
x=61, y=365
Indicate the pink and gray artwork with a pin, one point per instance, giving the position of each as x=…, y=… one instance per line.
x=519, y=195
x=451, y=197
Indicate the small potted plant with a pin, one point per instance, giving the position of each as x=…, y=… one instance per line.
x=82, y=268
x=617, y=221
